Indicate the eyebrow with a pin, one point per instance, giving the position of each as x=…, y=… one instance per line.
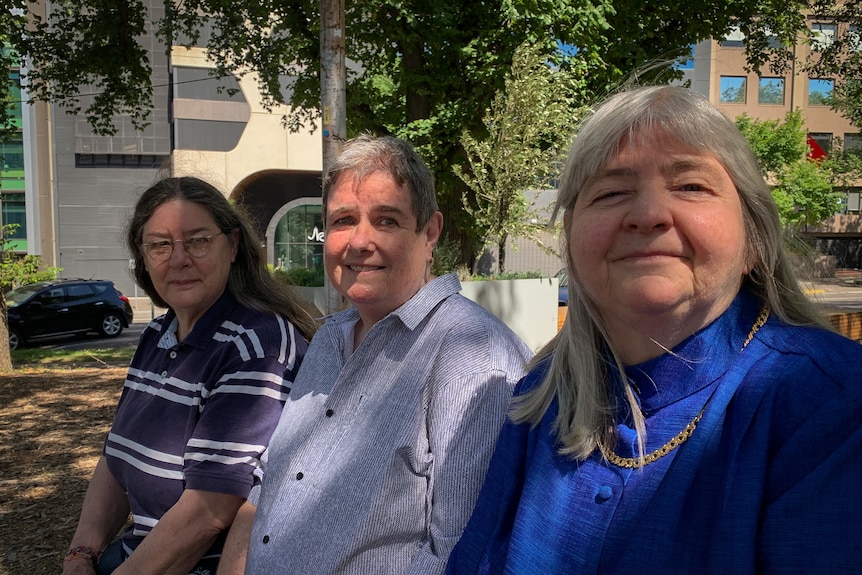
x=378, y=209
x=666, y=170
x=202, y=230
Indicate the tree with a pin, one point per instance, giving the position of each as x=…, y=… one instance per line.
x=529, y=126
x=421, y=69
x=802, y=188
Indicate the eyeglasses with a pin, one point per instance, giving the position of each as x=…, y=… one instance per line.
x=161, y=250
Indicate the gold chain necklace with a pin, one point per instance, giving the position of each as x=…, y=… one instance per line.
x=682, y=436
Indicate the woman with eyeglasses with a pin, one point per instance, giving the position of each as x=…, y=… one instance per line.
x=203, y=394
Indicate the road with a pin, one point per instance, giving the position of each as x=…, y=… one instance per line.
x=129, y=338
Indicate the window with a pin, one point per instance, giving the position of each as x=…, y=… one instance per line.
x=732, y=90
x=819, y=91
x=14, y=212
x=853, y=142
x=822, y=36
x=854, y=39
x=78, y=292
x=686, y=62
x=299, y=239
x=823, y=139
x=771, y=91
x=119, y=160
x=200, y=84
x=733, y=39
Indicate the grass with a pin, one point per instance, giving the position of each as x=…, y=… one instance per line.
x=61, y=358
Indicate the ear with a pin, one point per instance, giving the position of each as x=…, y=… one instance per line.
x=233, y=235
x=433, y=229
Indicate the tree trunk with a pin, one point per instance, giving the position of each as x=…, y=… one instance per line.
x=332, y=100
x=501, y=253
x=5, y=357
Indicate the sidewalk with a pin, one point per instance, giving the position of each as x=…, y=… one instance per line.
x=841, y=301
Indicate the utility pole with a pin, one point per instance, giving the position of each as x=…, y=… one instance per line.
x=332, y=100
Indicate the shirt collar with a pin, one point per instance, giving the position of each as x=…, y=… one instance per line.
x=699, y=360
x=416, y=309
x=204, y=328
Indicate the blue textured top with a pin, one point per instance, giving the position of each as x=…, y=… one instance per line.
x=766, y=484
x=378, y=458
x=198, y=414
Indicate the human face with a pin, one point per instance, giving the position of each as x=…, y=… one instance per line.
x=374, y=256
x=658, y=243
x=189, y=285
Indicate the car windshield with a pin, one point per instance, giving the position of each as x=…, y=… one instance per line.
x=18, y=295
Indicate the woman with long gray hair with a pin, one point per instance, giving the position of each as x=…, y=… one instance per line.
x=693, y=415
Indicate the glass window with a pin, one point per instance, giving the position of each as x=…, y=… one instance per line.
x=15, y=213
x=822, y=35
x=771, y=91
x=854, y=38
x=823, y=139
x=299, y=239
x=819, y=91
x=200, y=84
x=734, y=38
x=732, y=89
x=853, y=141
x=686, y=62
x=78, y=292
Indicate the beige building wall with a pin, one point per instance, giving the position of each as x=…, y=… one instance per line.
x=265, y=143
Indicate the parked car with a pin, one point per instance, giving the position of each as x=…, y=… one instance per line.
x=66, y=307
x=563, y=297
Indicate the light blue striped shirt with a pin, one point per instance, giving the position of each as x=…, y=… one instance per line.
x=378, y=459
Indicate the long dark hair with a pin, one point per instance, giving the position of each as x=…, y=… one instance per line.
x=249, y=279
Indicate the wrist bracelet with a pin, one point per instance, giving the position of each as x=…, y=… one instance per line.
x=81, y=552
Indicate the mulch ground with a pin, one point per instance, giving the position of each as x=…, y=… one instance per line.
x=52, y=425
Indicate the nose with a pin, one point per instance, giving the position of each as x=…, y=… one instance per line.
x=179, y=256
x=361, y=237
x=650, y=209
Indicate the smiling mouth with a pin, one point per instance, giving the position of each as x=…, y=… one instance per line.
x=364, y=268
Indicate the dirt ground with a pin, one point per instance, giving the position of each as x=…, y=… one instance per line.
x=52, y=425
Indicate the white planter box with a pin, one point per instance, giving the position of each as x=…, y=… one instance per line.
x=528, y=306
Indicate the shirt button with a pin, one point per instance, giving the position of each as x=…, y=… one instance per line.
x=605, y=493
x=265, y=539
x=329, y=413
x=299, y=475
x=164, y=373
x=173, y=355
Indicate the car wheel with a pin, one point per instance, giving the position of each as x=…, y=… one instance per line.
x=15, y=340
x=111, y=326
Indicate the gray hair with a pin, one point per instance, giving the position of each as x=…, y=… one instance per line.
x=366, y=155
x=579, y=374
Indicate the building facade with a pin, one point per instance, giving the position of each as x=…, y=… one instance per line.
x=73, y=191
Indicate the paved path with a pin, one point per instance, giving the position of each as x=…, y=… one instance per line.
x=835, y=295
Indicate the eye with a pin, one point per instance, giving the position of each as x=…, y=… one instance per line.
x=342, y=221
x=388, y=222
x=607, y=197
x=159, y=246
x=693, y=188
x=198, y=242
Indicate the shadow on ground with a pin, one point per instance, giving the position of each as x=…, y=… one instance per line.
x=52, y=426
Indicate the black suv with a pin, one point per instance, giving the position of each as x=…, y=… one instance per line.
x=66, y=307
